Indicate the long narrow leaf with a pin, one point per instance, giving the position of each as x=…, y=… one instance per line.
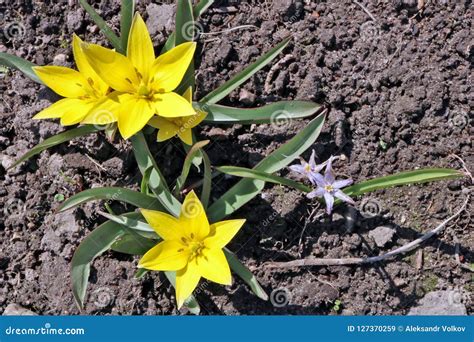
x=187, y=164
x=111, y=36
x=133, y=244
x=156, y=181
x=246, y=189
x=207, y=180
x=277, y=112
x=186, y=31
x=96, y=243
x=115, y=194
x=403, y=178
x=244, y=273
x=126, y=17
x=225, y=89
x=142, y=228
x=56, y=140
x=264, y=176
x=201, y=7
x=20, y=64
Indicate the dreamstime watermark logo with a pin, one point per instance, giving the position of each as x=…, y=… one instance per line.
x=103, y=297
x=368, y=31
x=280, y=297
x=370, y=208
x=191, y=208
x=103, y=117
x=191, y=30
x=459, y=120
x=281, y=119
x=14, y=30
x=14, y=207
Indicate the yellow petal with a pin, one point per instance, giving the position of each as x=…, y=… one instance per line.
x=222, y=232
x=63, y=81
x=186, y=135
x=188, y=95
x=166, y=226
x=105, y=111
x=166, y=128
x=172, y=105
x=196, y=119
x=134, y=113
x=193, y=217
x=140, y=47
x=166, y=256
x=57, y=109
x=214, y=266
x=115, y=69
x=84, y=67
x=77, y=113
x=169, y=68
x=186, y=281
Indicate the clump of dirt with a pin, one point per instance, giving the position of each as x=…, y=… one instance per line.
x=399, y=88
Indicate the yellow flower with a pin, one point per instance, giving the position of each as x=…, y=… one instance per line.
x=143, y=85
x=191, y=246
x=82, y=89
x=181, y=127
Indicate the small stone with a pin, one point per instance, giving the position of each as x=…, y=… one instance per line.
x=382, y=235
x=17, y=310
x=246, y=97
x=440, y=303
x=60, y=59
x=160, y=17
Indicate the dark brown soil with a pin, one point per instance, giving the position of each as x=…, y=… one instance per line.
x=400, y=93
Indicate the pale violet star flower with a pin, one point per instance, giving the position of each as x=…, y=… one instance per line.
x=328, y=187
x=308, y=169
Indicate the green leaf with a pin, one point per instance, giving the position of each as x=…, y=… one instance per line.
x=402, y=178
x=145, y=180
x=186, y=31
x=134, y=224
x=207, y=180
x=278, y=112
x=20, y=64
x=111, y=36
x=201, y=7
x=126, y=17
x=244, y=273
x=264, y=176
x=133, y=244
x=156, y=182
x=191, y=303
x=56, y=140
x=187, y=165
x=169, y=44
x=112, y=194
x=246, y=189
x=94, y=244
x=140, y=273
x=225, y=89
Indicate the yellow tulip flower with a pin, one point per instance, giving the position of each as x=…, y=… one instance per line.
x=143, y=85
x=191, y=246
x=181, y=127
x=81, y=90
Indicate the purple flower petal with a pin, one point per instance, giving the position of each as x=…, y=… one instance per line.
x=329, y=174
x=312, y=162
x=317, y=179
x=329, y=199
x=298, y=168
x=343, y=197
x=319, y=192
x=341, y=183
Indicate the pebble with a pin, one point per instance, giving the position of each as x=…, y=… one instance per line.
x=382, y=235
x=440, y=303
x=60, y=59
x=17, y=310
